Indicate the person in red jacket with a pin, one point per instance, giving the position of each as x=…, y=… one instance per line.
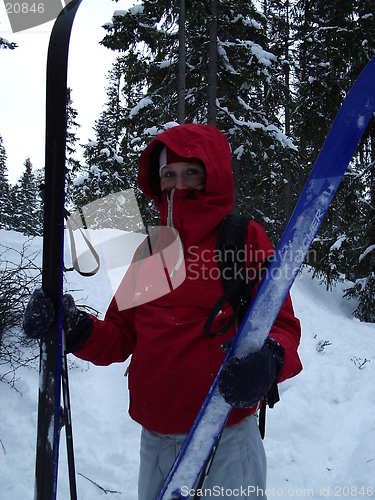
x=187, y=171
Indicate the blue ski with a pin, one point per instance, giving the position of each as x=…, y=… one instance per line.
x=327, y=173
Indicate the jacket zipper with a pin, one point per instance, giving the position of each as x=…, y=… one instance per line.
x=170, y=208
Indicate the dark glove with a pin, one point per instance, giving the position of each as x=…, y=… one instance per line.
x=77, y=324
x=40, y=314
x=245, y=381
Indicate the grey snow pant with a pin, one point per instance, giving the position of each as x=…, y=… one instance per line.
x=238, y=470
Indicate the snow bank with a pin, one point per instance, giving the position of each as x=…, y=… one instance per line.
x=319, y=438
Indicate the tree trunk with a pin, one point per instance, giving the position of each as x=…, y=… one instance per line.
x=212, y=64
x=181, y=79
x=371, y=228
x=287, y=101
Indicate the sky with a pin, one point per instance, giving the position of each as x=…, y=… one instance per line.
x=22, y=82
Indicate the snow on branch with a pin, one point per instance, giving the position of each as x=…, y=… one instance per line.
x=222, y=53
x=143, y=103
x=337, y=244
x=265, y=58
x=167, y=63
x=119, y=13
x=366, y=252
x=243, y=104
x=136, y=10
x=251, y=23
x=270, y=129
x=152, y=131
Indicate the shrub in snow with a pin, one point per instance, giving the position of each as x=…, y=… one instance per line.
x=19, y=276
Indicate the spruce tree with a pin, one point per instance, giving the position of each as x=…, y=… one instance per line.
x=335, y=42
x=248, y=99
x=104, y=171
x=27, y=204
x=5, y=208
x=287, y=174
x=72, y=164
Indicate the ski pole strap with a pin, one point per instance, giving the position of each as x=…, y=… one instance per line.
x=73, y=250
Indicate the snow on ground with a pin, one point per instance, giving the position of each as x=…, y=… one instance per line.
x=320, y=440
x=321, y=437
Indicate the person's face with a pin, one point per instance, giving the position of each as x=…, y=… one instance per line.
x=183, y=175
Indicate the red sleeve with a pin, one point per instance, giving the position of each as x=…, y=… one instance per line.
x=112, y=339
x=286, y=330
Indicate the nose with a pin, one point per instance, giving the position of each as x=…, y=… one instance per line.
x=180, y=182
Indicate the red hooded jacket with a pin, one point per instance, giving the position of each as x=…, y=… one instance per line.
x=173, y=363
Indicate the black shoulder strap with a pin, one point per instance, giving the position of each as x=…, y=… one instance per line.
x=231, y=241
x=231, y=245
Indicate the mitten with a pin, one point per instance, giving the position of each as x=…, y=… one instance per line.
x=40, y=314
x=77, y=324
x=245, y=381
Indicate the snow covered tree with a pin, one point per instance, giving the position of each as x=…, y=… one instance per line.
x=335, y=42
x=26, y=216
x=104, y=172
x=247, y=81
x=181, y=82
x=73, y=165
x=5, y=208
x=212, y=63
x=288, y=176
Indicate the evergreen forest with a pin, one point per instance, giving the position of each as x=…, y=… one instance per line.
x=271, y=74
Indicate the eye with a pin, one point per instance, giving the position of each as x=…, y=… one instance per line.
x=168, y=174
x=193, y=171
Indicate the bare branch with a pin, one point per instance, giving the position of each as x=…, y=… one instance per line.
x=98, y=485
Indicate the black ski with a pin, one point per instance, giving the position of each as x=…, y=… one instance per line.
x=53, y=239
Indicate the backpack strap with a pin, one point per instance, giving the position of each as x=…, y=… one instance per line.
x=232, y=237
x=230, y=243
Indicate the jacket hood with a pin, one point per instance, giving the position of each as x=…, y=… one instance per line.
x=194, y=214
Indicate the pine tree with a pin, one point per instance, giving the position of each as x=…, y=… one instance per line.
x=247, y=96
x=5, y=208
x=181, y=74
x=335, y=42
x=27, y=204
x=287, y=175
x=324, y=32
x=73, y=166
x=104, y=171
